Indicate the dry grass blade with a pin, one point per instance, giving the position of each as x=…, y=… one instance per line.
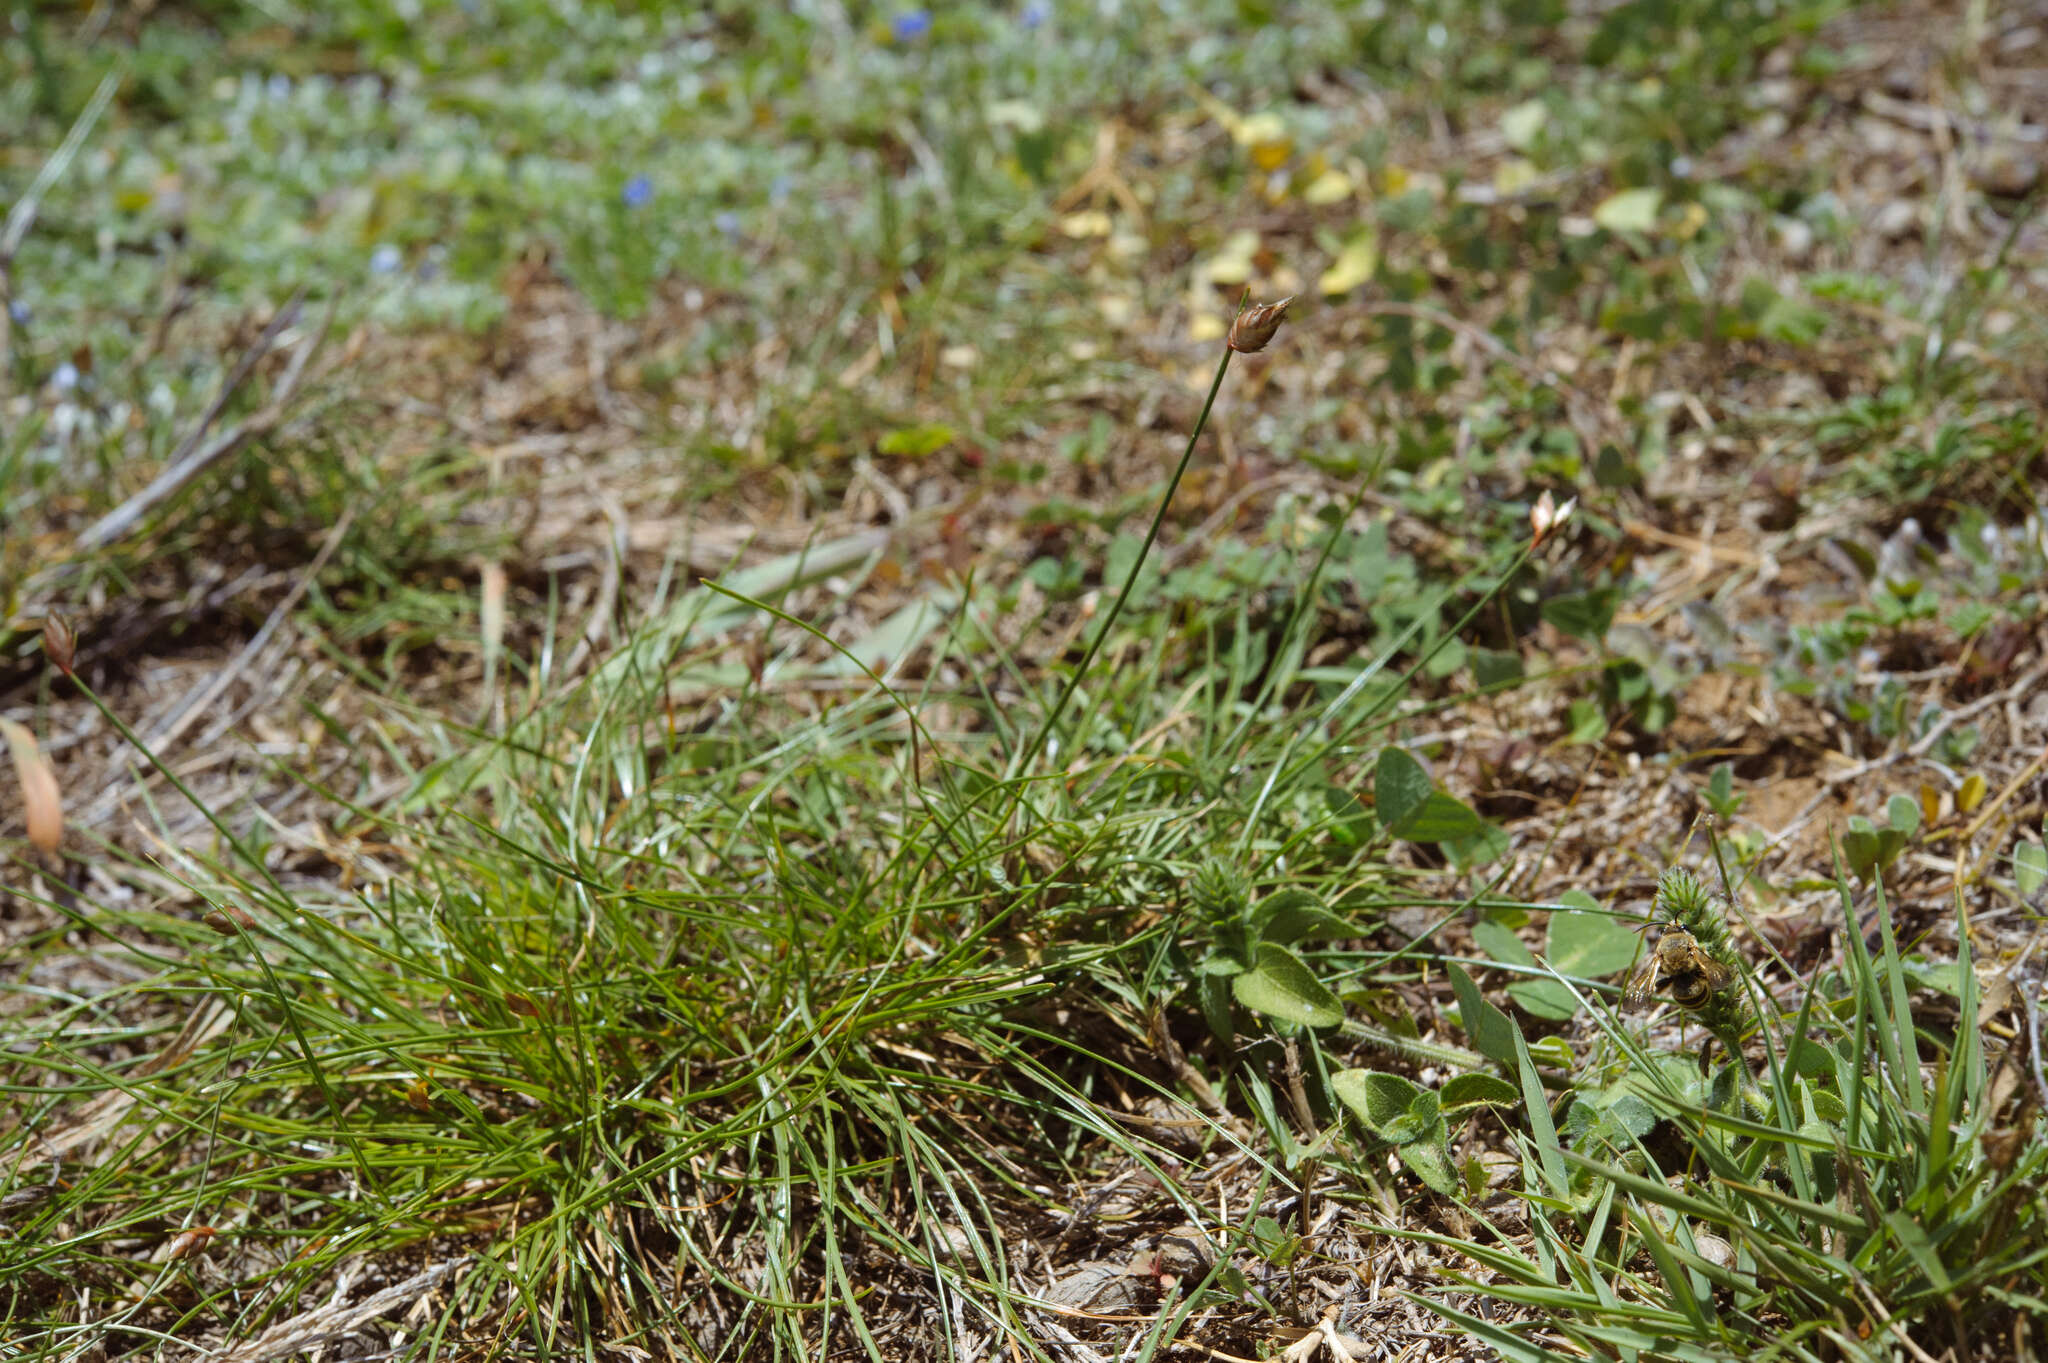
x=326, y=1324
x=23, y=215
x=491, y=621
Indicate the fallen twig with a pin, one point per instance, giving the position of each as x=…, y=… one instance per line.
x=326, y=1324
x=194, y=457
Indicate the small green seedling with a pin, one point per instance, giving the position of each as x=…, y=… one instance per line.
x=1870, y=850
x=1721, y=795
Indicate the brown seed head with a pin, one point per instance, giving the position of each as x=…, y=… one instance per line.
x=60, y=641
x=1255, y=326
x=223, y=920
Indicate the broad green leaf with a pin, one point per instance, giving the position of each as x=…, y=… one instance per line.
x=1588, y=945
x=1492, y=1032
x=2030, y=867
x=1583, y=615
x=1669, y=1077
x=1488, y=845
x=1441, y=818
x=1614, y=1116
x=1546, y=999
x=1399, y=786
x=1500, y=943
x=1292, y=915
x=1422, y=1116
x=1214, y=996
x=1398, y=1110
x=1350, y=822
x=1632, y=210
x=1491, y=668
x=1378, y=1099
x=1430, y=1160
x=1588, y=724
x=1542, y=998
x=1281, y=985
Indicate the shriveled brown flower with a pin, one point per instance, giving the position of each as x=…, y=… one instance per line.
x=1255, y=326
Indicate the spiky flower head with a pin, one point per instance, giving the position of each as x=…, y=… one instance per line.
x=1683, y=900
x=1219, y=890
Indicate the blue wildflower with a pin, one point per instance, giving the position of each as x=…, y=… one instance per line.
x=64, y=376
x=279, y=86
x=386, y=259
x=637, y=192
x=19, y=311
x=778, y=190
x=910, y=25
x=1035, y=14
x=727, y=222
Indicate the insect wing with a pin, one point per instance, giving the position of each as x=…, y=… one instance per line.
x=1718, y=976
x=1642, y=984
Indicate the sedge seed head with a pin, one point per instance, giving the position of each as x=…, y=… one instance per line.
x=1255, y=326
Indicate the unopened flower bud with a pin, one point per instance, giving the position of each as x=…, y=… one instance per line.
x=1255, y=326
x=1547, y=515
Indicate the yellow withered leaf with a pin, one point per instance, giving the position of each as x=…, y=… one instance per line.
x=1632, y=210
x=1354, y=265
x=1089, y=222
x=40, y=800
x=1232, y=263
x=1332, y=186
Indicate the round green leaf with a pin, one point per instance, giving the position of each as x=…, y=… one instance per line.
x=1902, y=812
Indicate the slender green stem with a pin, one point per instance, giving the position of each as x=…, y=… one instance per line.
x=1045, y=730
x=285, y=1001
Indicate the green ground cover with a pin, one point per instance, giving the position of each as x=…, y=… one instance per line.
x=730, y=731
